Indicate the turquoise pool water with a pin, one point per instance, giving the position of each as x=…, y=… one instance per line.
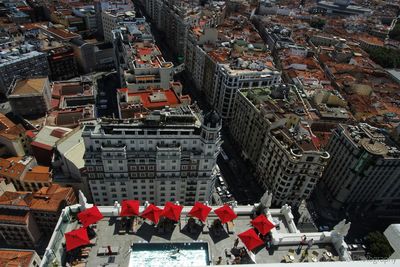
x=164, y=254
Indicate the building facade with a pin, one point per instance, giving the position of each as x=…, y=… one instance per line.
x=280, y=144
x=21, y=65
x=30, y=97
x=167, y=155
x=363, y=172
x=25, y=217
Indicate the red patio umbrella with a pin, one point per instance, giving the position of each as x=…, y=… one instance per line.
x=200, y=211
x=76, y=238
x=152, y=213
x=129, y=208
x=90, y=216
x=225, y=214
x=172, y=211
x=262, y=224
x=250, y=239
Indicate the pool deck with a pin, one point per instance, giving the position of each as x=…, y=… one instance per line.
x=110, y=235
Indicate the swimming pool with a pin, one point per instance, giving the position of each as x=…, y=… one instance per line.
x=166, y=255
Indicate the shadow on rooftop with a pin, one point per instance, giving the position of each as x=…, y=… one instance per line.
x=165, y=229
x=218, y=233
x=146, y=231
x=193, y=232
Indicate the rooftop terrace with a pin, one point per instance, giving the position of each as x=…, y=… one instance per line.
x=111, y=233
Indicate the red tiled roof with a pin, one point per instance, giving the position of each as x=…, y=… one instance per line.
x=171, y=98
x=40, y=145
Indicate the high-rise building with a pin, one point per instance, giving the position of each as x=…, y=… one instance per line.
x=167, y=155
x=363, y=174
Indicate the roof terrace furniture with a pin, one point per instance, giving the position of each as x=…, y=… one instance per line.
x=230, y=227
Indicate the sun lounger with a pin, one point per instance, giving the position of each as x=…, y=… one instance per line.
x=230, y=227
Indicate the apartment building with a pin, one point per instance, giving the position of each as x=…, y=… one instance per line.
x=25, y=174
x=255, y=112
x=226, y=57
x=269, y=125
x=139, y=61
x=104, y=5
x=30, y=97
x=166, y=155
x=26, y=217
x=111, y=18
x=170, y=17
x=14, y=64
x=362, y=175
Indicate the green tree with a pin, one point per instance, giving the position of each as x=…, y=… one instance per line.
x=317, y=23
x=395, y=33
x=378, y=246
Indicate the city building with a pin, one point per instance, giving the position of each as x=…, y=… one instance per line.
x=139, y=61
x=30, y=97
x=111, y=19
x=62, y=63
x=239, y=59
x=130, y=247
x=19, y=257
x=343, y=7
x=270, y=127
x=25, y=217
x=25, y=174
x=88, y=14
x=43, y=143
x=15, y=64
x=362, y=175
x=13, y=139
x=164, y=155
x=104, y=5
x=73, y=102
x=68, y=163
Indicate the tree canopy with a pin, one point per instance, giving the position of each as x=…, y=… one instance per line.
x=378, y=246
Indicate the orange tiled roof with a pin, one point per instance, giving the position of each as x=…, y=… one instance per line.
x=46, y=199
x=38, y=174
x=15, y=258
x=11, y=168
x=8, y=129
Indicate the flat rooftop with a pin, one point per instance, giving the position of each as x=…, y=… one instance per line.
x=111, y=232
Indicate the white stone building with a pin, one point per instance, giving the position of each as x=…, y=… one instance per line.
x=167, y=155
